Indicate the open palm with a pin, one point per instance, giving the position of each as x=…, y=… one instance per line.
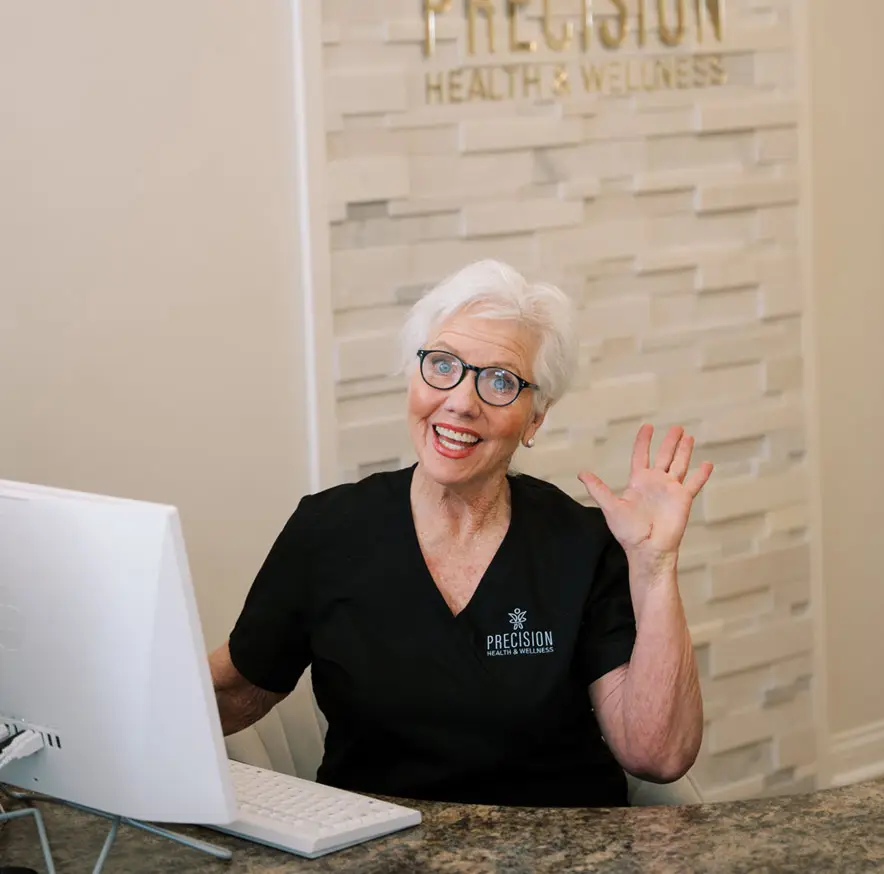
x=651, y=515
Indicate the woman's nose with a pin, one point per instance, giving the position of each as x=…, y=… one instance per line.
x=462, y=399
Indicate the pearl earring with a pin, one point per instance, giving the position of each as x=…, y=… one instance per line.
x=529, y=442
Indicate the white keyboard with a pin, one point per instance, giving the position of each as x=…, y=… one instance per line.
x=307, y=818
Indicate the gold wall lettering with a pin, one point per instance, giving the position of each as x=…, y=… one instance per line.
x=542, y=81
x=671, y=37
x=516, y=44
x=432, y=8
x=609, y=20
x=474, y=7
x=611, y=24
x=555, y=42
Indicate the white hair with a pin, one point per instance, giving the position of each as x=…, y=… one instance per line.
x=494, y=290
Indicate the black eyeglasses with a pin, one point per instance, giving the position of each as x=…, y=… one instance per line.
x=494, y=385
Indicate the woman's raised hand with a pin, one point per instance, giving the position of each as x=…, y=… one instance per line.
x=650, y=517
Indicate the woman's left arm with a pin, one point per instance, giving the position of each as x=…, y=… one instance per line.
x=650, y=710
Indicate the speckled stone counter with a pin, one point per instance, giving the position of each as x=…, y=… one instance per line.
x=839, y=830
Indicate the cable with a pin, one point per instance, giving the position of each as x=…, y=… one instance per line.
x=17, y=746
x=25, y=744
x=7, y=736
x=21, y=745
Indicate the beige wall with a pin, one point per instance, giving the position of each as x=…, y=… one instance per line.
x=847, y=70
x=149, y=304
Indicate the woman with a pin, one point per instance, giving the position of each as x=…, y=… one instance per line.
x=477, y=635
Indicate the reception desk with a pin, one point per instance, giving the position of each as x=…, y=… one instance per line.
x=838, y=830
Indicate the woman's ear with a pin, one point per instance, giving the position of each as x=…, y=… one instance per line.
x=533, y=427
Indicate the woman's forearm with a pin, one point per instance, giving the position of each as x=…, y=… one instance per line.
x=661, y=705
x=240, y=704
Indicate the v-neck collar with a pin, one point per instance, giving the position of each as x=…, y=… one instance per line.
x=492, y=572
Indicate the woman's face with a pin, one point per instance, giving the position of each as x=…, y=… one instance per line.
x=476, y=439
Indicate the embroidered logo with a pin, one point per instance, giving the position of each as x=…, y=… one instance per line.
x=519, y=641
x=517, y=619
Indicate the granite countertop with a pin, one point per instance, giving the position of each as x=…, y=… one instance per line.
x=837, y=830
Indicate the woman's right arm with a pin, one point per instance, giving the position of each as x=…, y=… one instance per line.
x=240, y=703
x=268, y=648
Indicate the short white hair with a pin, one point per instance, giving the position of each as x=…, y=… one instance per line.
x=494, y=290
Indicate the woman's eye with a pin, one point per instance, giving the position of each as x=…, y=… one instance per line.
x=502, y=383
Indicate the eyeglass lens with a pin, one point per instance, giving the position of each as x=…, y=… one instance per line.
x=495, y=386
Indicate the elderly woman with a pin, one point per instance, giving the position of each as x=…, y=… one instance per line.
x=476, y=635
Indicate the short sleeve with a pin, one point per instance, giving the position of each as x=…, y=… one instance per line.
x=269, y=644
x=607, y=634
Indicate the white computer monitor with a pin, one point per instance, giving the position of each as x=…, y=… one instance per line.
x=102, y=652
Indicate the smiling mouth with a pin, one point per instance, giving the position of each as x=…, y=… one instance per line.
x=456, y=441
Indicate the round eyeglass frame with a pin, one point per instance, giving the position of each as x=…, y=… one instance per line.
x=477, y=371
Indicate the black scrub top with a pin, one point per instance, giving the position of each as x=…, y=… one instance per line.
x=490, y=706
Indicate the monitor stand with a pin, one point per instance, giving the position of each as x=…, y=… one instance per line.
x=8, y=816
x=116, y=822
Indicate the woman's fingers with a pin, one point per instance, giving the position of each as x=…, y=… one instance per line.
x=682, y=458
x=598, y=491
x=667, y=450
x=673, y=456
x=698, y=479
x=641, y=449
